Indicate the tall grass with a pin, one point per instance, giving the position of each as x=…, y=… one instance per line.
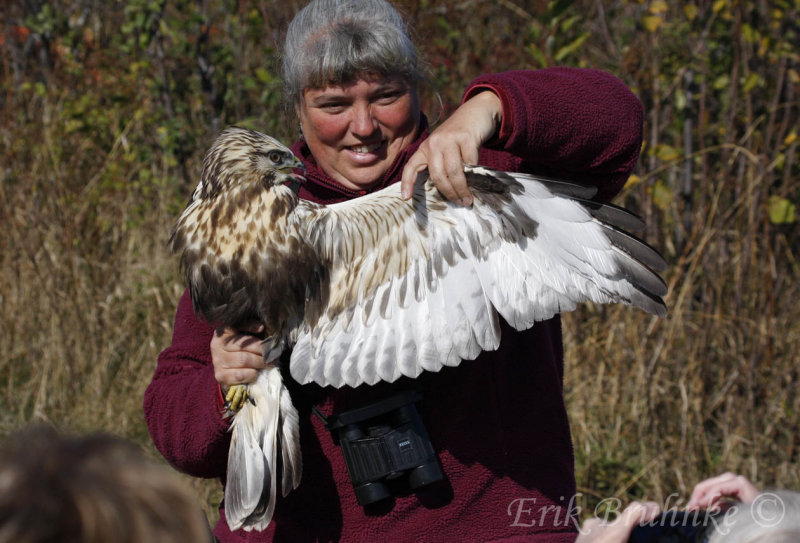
x=105, y=113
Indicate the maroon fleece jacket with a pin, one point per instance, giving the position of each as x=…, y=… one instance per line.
x=498, y=423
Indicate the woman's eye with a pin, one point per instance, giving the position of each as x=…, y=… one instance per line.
x=388, y=97
x=332, y=107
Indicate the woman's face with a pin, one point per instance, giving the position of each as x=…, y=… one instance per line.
x=356, y=131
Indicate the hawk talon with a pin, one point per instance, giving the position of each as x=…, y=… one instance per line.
x=236, y=396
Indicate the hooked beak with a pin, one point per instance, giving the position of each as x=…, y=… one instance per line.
x=296, y=164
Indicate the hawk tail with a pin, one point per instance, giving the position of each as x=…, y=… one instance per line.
x=266, y=424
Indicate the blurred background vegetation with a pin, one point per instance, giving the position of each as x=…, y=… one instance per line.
x=107, y=108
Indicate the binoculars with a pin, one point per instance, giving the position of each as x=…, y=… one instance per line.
x=384, y=443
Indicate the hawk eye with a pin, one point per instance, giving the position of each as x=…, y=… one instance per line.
x=275, y=157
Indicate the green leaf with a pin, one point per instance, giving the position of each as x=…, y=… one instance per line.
x=749, y=33
x=781, y=210
x=264, y=75
x=658, y=6
x=569, y=22
x=538, y=55
x=557, y=7
x=662, y=195
x=752, y=80
x=722, y=82
x=666, y=153
x=570, y=48
x=719, y=5
x=652, y=22
x=680, y=99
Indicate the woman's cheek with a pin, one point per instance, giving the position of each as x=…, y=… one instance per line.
x=329, y=129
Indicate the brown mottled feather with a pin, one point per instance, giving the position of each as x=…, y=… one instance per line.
x=241, y=256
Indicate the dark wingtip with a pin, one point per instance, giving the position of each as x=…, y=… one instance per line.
x=636, y=248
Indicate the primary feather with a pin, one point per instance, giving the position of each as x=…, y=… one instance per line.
x=378, y=288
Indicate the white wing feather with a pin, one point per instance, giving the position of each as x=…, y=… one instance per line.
x=416, y=286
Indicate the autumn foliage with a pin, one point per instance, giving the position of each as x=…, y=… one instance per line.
x=106, y=109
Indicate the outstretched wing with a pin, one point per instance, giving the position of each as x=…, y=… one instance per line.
x=417, y=285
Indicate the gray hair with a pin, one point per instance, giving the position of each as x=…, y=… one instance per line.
x=333, y=42
x=773, y=517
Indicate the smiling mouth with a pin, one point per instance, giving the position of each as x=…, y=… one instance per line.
x=364, y=149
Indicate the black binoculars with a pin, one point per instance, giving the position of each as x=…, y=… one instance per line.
x=385, y=442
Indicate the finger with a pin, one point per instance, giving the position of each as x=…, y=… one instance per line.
x=228, y=363
x=447, y=169
x=447, y=173
x=454, y=171
x=469, y=155
x=590, y=524
x=245, y=359
x=709, y=493
x=415, y=165
x=596, y=531
x=704, y=491
x=252, y=345
x=438, y=174
x=236, y=376
x=254, y=327
x=634, y=514
x=243, y=343
x=250, y=328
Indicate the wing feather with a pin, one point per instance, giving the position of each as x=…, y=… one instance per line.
x=418, y=285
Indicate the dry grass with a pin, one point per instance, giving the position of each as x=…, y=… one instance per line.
x=101, y=131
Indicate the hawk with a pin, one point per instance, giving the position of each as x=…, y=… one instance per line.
x=379, y=287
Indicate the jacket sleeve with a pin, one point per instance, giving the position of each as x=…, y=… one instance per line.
x=582, y=124
x=183, y=404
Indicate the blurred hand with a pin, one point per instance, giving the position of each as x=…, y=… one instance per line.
x=454, y=143
x=595, y=530
x=236, y=354
x=709, y=493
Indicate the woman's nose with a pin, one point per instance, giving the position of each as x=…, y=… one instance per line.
x=363, y=122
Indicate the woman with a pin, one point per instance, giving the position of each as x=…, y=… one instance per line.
x=498, y=423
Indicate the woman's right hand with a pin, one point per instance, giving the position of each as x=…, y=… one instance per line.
x=456, y=142
x=236, y=354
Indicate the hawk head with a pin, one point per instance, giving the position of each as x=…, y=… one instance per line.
x=241, y=157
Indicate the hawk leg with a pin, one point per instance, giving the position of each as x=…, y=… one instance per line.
x=236, y=396
x=272, y=347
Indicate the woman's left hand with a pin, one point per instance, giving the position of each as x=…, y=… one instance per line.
x=454, y=143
